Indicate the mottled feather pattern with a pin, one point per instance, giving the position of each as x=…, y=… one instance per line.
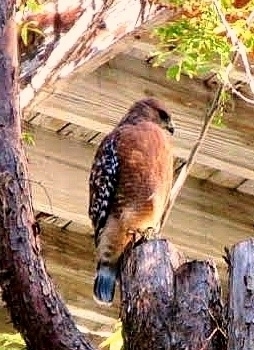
x=103, y=181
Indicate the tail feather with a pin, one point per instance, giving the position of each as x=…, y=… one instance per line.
x=104, y=284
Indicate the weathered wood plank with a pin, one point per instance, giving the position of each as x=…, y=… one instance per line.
x=45, y=121
x=60, y=170
x=192, y=94
x=247, y=187
x=115, y=31
x=148, y=44
x=73, y=131
x=111, y=90
x=201, y=171
x=78, y=133
x=205, y=219
x=223, y=178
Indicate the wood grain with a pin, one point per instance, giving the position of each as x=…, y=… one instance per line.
x=113, y=88
x=206, y=217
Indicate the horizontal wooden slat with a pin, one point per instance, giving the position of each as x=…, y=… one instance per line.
x=205, y=218
x=201, y=171
x=226, y=179
x=45, y=121
x=247, y=187
x=114, y=87
x=60, y=168
x=148, y=44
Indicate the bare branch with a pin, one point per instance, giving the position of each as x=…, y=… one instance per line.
x=193, y=154
x=239, y=46
x=239, y=94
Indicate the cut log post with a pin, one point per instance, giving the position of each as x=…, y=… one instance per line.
x=167, y=305
x=241, y=296
x=197, y=317
x=147, y=288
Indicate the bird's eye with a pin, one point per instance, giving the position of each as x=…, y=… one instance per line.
x=164, y=115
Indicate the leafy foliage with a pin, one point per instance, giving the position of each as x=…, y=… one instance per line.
x=198, y=38
x=115, y=341
x=11, y=341
x=28, y=138
x=25, y=27
x=30, y=5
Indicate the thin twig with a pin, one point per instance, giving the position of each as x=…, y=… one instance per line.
x=239, y=46
x=239, y=94
x=249, y=20
x=44, y=189
x=193, y=154
x=205, y=346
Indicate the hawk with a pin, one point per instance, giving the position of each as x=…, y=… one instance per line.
x=130, y=182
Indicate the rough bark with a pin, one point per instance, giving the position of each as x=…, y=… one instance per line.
x=198, y=312
x=36, y=309
x=147, y=287
x=167, y=303
x=241, y=296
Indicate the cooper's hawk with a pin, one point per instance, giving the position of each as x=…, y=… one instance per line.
x=130, y=182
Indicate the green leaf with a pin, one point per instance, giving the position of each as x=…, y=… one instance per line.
x=226, y=3
x=174, y=72
x=29, y=26
x=10, y=341
x=33, y=5
x=28, y=138
x=115, y=340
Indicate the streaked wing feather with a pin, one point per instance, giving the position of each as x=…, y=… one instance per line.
x=103, y=182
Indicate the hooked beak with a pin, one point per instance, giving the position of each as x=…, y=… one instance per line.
x=170, y=127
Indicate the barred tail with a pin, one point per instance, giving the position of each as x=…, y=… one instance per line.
x=104, y=284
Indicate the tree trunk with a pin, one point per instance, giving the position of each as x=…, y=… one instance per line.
x=36, y=309
x=241, y=296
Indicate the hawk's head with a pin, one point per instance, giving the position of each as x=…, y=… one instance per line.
x=149, y=109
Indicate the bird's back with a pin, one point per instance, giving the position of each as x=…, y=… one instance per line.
x=145, y=176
